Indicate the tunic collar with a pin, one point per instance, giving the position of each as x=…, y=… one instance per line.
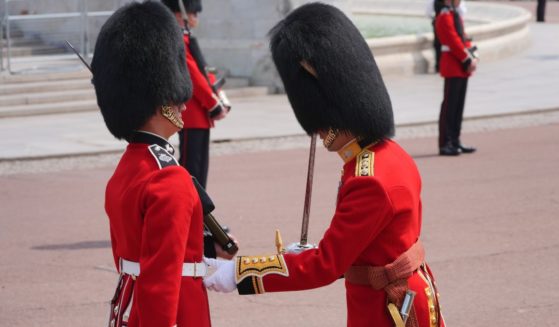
x=151, y=138
x=349, y=151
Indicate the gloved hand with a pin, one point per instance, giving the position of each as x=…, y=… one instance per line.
x=296, y=248
x=223, y=279
x=219, y=112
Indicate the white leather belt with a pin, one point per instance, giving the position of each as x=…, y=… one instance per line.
x=196, y=269
x=445, y=48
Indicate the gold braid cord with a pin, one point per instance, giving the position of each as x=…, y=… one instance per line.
x=365, y=163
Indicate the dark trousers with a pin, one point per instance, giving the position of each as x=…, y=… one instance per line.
x=452, y=110
x=195, y=152
x=540, y=11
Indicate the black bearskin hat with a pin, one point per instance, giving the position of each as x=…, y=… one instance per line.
x=189, y=5
x=139, y=65
x=329, y=73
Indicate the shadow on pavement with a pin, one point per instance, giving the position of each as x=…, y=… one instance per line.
x=74, y=246
x=424, y=156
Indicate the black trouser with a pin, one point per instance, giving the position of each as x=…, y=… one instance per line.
x=195, y=152
x=452, y=110
x=540, y=11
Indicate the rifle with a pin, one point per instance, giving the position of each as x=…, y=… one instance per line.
x=211, y=223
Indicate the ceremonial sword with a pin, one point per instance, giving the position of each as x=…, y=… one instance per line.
x=303, y=243
x=308, y=194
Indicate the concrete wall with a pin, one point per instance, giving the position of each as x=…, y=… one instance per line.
x=17, y=7
x=54, y=31
x=233, y=35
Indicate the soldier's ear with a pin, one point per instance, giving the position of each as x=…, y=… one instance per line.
x=310, y=69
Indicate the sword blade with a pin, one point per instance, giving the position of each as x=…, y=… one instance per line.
x=308, y=193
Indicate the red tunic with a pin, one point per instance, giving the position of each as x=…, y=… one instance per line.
x=156, y=219
x=377, y=218
x=203, y=99
x=454, y=49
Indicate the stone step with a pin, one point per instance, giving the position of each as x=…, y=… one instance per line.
x=78, y=74
x=48, y=108
x=21, y=41
x=249, y=91
x=45, y=86
x=46, y=97
x=33, y=50
x=79, y=101
x=235, y=82
x=21, y=88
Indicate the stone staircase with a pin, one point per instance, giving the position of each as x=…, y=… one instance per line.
x=71, y=92
x=23, y=46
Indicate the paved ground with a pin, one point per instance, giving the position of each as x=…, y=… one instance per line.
x=490, y=228
x=551, y=8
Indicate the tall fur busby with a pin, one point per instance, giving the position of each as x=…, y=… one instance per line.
x=329, y=73
x=138, y=65
x=189, y=5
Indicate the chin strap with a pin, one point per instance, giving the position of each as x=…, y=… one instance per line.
x=183, y=14
x=170, y=114
x=330, y=138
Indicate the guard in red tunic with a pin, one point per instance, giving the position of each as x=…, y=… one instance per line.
x=458, y=62
x=155, y=213
x=336, y=90
x=208, y=102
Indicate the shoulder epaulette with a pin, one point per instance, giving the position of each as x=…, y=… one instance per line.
x=162, y=156
x=364, y=163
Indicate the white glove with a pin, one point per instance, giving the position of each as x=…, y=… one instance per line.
x=297, y=248
x=223, y=279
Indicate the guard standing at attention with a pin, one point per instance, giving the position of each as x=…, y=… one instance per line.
x=458, y=62
x=154, y=210
x=336, y=90
x=208, y=102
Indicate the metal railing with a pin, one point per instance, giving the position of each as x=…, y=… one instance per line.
x=2, y=43
x=43, y=34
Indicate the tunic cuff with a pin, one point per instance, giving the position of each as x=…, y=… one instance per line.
x=249, y=271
